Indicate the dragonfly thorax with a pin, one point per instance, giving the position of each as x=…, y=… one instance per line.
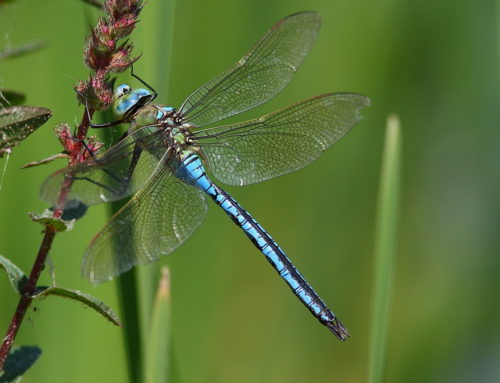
x=154, y=115
x=175, y=134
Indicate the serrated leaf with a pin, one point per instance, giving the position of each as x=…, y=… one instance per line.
x=16, y=276
x=18, y=122
x=22, y=50
x=11, y=97
x=46, y=219
x=19, y=360
x=82, y=297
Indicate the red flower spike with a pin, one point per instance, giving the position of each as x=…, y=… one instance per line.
x=97, y=92
x=98, y=51
x=102, y=90
x=121, y=60
x=117, y=8
x=124, y=26
x=104, y=55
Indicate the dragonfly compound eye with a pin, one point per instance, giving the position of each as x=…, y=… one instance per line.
x=127, y=100
x=121, y=90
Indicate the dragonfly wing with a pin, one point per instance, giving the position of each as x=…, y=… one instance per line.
x=261, y=74
x=153, y=223
x=112, y=174
x=281, y=142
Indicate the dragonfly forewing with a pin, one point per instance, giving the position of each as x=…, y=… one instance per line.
x=280, y=142
x=261, y=74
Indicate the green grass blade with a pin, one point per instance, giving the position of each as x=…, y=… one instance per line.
x=385, y=249
x=126, y=284
x=157, y=364
x=127, y=291
x=155, y=39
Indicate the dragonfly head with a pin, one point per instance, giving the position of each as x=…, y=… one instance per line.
x=128, y=100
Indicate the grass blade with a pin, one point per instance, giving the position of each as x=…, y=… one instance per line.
x=157, y=363
x=155, y=36
x=385, y=250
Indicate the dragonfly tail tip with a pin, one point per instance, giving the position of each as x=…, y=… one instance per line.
x=338, y=329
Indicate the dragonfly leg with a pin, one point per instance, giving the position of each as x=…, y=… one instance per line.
x=155, y=93
x=95, y=182
x=84, y=144
x=123, y=180
x=106, y=124
x=133, y=163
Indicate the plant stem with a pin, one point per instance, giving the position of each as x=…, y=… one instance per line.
x=103, y=55
x=43, y=252
x=26, y=299
x=385, y=250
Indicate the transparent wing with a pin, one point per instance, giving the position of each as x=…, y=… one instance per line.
x=281, y=142
x=113, y=174
x=261, y=74
x=153, y=223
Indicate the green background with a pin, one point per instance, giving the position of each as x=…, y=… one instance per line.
x=435, y=63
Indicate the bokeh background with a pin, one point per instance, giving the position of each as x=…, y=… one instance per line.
x=435, y=63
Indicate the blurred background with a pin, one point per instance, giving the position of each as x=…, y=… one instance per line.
x=435, y=64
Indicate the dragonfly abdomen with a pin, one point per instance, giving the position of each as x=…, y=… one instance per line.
x=193, y=172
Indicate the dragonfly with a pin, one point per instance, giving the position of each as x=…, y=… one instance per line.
x=166, y=152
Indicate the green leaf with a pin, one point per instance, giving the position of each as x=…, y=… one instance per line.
x=157, y=356
x=18, y=122
x=46, y=219
x=19, y=360
x=82, y=297
x=22, y=50
x=385, y=250
x=16, y=276
x=11, y=97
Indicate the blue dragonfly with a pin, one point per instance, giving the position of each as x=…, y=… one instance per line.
x=164, y=155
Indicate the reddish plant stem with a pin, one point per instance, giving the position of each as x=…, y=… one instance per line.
x=43, y=252
x=26, y=299
x=85, y=124
x=22, y=306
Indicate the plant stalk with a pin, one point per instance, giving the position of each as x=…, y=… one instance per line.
x=43, y=252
